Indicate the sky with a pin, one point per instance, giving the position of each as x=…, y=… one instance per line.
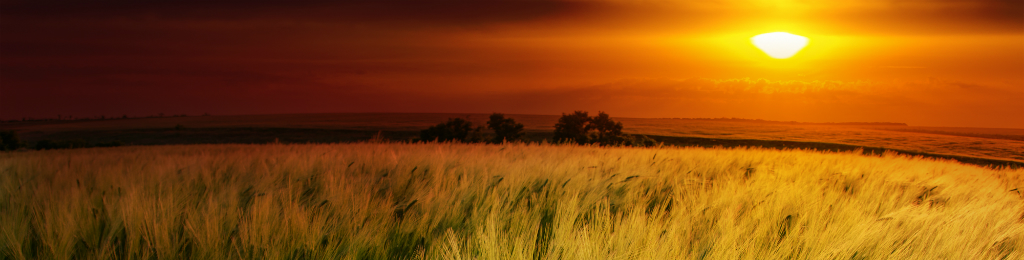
x=921, y=62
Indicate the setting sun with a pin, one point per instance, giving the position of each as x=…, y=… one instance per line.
x=779, y=45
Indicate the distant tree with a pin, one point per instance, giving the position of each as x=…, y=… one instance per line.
x=505, y=129
x=638, y=141
x=572, y=128
x=644, y=141
x=456, y=129
x=579, y=128
x=65, y=144
x=45, y=144
x=477, y=135
x=114, y=143
x=608, y=132
x=9, y=141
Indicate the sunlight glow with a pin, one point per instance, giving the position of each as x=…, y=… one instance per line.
x=779, y=45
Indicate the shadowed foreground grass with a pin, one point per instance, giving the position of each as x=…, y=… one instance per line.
x=460, y=201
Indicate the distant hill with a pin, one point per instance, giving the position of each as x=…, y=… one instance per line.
x=762, y=121
x=990, y=143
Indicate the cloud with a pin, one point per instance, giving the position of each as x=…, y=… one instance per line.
x=410, y=12
x=928, y=102
x=144, y=57
x=872, y=16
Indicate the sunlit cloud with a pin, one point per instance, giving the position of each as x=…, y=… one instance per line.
x=462, y=56
x=925, y=102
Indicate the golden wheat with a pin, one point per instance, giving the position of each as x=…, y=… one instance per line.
x=513, y=201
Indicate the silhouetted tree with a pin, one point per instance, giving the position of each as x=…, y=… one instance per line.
x=456, y=129
x=572, y=128
x=45, y=144
x=579, y=128
x=608, y=132
x=477, y=135
x=9, y=141
x=505, y=129
x=637, y=141
x=114, y=143
x=65, y=144
x=644, y=141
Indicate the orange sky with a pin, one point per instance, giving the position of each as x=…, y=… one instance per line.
x=930, y=63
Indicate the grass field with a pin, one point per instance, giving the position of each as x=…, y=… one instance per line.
x=514, y=201
x=987, y=143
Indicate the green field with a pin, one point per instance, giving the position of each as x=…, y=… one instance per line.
x=513, y=201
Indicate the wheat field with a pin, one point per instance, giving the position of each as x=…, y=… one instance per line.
x=512, y=201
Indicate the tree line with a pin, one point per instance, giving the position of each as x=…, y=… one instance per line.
x=9, y=141
x=578, y=128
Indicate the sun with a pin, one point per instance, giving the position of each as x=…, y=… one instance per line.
x=780, y=45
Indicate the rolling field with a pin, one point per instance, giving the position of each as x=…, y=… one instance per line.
x=512, y=201
x=985, y=143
